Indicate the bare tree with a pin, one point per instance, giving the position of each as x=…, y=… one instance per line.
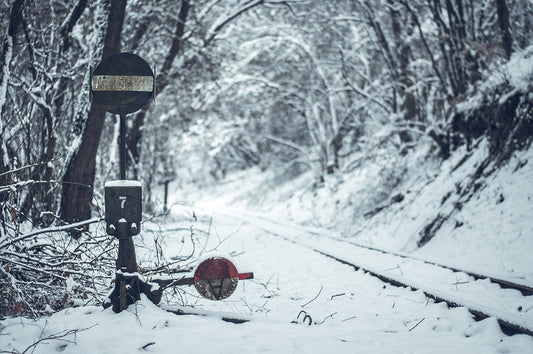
x=6, y=55
x=78, y=180
x=503, y=22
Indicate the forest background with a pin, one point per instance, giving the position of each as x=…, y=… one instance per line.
x=292, y=86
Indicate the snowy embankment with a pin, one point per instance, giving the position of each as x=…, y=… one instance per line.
x=488, y=230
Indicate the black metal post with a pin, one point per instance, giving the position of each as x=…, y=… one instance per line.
x=122, y=147
x=166, y=197
x=126, y=260
x=127, y=287
x=122, y=95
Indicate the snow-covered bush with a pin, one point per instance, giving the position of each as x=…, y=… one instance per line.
x=44, y=270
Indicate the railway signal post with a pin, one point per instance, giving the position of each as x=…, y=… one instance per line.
x=122, y=84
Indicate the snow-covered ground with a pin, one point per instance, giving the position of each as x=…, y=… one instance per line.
x=349, y=311
x=490, y=230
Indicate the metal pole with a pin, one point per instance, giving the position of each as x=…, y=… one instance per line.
x=127, y=286
x=122, y=146
x=126, y=260
x=166, y=197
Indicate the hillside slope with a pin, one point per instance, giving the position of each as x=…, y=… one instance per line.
x=471, y=208
x=479, y=221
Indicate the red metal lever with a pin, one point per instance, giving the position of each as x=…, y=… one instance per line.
x=244, y=276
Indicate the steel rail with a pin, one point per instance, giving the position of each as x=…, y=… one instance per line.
x=506, y=326
x=526, y=290
x=507, y=284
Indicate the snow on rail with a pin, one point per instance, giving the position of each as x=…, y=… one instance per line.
x=481, y=297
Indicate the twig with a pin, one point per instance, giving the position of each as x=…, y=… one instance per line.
x=193, y=243
x=26, y=167
x=58, y=336
x=306, y=316
x=330, y=316
x=230, y=235
x=457, y=282
x=147, y=345
x=397, y=267
x=313, y=299
x=52, y=229
x=207, y=238
x=419, y=322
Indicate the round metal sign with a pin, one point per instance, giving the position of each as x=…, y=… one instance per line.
x=122, y=83
x=216, y=278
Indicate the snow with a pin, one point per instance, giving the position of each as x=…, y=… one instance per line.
x=520, y=69
x=490, y=233
x=442, y=283
x=497, y=226
x=70, y=284
x=123, y=183
x=350, y=311
x=517, y=74
x=301, y=301
x=6, y=73
x=356, y=313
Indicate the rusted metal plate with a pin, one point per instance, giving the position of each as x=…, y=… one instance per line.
x=216, y=289
x=216, y=278
x=122, y=83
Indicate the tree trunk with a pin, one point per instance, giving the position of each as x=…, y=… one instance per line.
x=77, y=193
x=15, y=21
x=6, y=55
x=133, y=138
x=503, y=21
x=408, y=102
x=73, y=18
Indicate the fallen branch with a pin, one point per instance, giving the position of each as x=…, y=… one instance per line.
x=58, y=336
x=419, y=322
x=49, y=230
x=313, y=299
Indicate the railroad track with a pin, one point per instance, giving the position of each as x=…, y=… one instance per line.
x=508, y=326
x=526, y=290
x=512, y=310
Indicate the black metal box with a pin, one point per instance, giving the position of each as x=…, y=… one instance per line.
x=123, y=203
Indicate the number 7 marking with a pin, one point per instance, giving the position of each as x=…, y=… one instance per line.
x=123, y=201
